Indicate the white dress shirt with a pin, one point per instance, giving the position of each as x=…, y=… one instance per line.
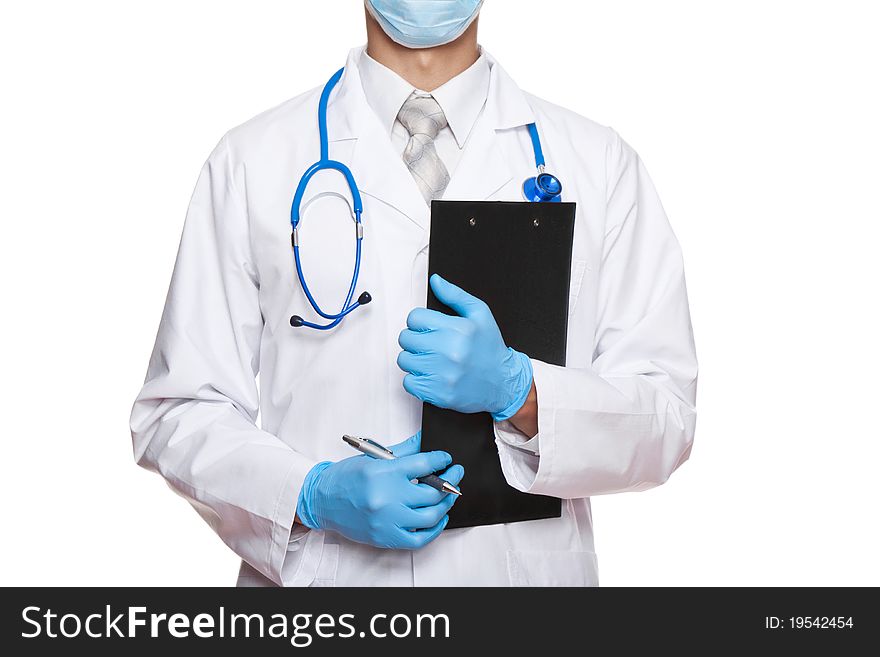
x=462, y=99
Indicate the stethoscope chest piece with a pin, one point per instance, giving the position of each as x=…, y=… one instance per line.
x=543, y=188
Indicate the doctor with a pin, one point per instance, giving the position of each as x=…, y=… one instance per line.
x=421, y=113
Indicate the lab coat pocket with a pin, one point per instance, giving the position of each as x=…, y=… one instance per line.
x=326, y=574
x=552, y=568
x=578, y=268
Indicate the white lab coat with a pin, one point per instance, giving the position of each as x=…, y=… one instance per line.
x=619, y=417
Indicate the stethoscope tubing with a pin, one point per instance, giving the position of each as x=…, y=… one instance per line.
x=531, y=189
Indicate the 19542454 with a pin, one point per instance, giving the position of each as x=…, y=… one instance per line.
x=808, y=622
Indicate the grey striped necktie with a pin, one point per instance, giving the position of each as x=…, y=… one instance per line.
x=424, y=119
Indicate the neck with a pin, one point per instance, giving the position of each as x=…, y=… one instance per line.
x=424, y=68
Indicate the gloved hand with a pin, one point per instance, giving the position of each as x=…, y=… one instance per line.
x=462, y=362
x=375, y=502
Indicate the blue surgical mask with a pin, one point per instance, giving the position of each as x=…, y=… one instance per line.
x=424, y=23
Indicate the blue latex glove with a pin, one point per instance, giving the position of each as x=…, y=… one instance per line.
x=462, y=362
x=375, y=502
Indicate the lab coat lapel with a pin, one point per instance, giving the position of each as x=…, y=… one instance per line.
x=380, y=173
x=482, y=170
x=484, y=167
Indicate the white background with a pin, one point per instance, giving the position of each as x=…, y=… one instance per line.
x=757, y=119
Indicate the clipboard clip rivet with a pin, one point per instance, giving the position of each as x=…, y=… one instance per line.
x=472, y=221
x=536, y=222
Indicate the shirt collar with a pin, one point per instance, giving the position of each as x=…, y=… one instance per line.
x=461, y=98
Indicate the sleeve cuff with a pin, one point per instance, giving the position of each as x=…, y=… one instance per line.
x=524, y=460
x=295, y=551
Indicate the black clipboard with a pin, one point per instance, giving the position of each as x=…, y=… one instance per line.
x=516, y=256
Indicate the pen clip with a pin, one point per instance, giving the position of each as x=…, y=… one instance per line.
x=357, y=442
x=375, y=444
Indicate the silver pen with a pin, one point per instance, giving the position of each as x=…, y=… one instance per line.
x=377, y=451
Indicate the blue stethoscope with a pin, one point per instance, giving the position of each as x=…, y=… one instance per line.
x=543, y=188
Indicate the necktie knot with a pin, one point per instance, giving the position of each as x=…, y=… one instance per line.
x=422, y=115
x=424, y=119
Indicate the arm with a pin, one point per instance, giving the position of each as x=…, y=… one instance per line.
x=194, y=420
x=627, y=422
x=525, y=421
